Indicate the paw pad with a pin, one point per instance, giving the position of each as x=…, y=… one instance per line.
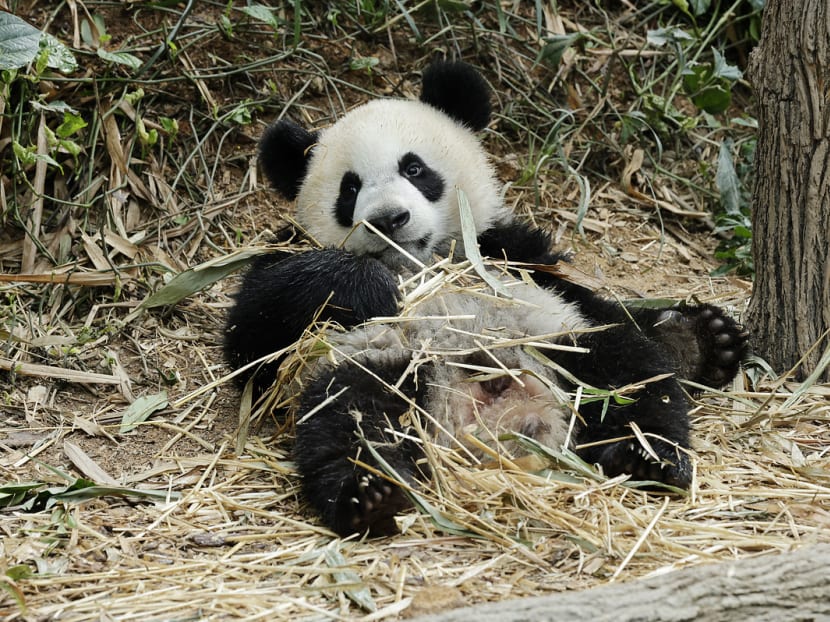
x=374, y=505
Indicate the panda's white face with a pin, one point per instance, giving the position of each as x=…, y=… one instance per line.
x=396, y=164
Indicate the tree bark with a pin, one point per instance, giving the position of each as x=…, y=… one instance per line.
x=789, y=312
x=792, y=586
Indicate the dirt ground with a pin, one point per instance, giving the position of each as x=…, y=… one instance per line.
x=227, y=535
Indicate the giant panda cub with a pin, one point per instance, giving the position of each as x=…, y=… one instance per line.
x=376, y=192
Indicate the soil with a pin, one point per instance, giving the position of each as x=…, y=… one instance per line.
x=628, y=247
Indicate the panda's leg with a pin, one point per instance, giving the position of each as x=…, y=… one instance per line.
x=281, y=295
x=703, y=343
x=618, y=357
x=358, y=409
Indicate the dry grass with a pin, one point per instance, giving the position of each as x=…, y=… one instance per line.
x=227, y=536
x=236, y=543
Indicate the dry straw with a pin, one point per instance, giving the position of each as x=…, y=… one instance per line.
x=232, y=538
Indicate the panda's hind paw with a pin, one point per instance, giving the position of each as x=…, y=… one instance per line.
x=722, y=342
x=708, y=344
x=373, y=507
x=664, y=463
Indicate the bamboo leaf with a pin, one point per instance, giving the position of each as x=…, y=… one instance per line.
x=121, y=58
x=471, y=250
x=141, y=409
x=348, y=580
x=196, y=279
x=727, y=180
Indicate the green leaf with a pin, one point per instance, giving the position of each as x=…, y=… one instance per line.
x=661, y=36
x=38, y=496
x=16, y=573
x=261, y=13
x=555, y=47
x=58, y=56
x=141, y=409
x=724, y=70
x=225, y=26
x=699, y=7
x=54, y=106
x=196, y=279
x=726, y=179
x=556, y=457
x=683, y=6
x=695, y=78
x=29, y=156
x=133, y=97
x=364, y=62
x=122, y=58
x=71, y=124
x=241, y=115
x=148, y=139
x=713, y=99
x=71, y=147
x=94, y=31
x=94, y=491
x=170, y=126
x=21, y=571
x=19, y=42
x=14, y=494
x=471, y=250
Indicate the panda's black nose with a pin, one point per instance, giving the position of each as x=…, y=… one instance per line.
x=390, y=221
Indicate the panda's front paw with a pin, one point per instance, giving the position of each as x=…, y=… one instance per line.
x=373, y=507
x=668, y=464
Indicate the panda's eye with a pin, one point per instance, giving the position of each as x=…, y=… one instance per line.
x=413, y=169
x=425, y=179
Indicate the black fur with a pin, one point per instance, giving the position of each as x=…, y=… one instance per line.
x=459, y=91
x=283, y=294
x=350, y=186
x=348, y=498
x=283, y=154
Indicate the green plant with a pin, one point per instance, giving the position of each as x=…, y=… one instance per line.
x=733, y=218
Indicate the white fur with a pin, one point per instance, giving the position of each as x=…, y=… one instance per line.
x=463, y=327
x=369, y=141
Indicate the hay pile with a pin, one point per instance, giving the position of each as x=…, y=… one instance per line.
x=227, y=536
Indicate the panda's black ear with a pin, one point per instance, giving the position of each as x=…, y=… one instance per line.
x=284, y=151
x=458, y=90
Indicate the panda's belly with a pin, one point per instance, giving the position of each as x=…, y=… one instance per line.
x=475, y=413
x=481, y=358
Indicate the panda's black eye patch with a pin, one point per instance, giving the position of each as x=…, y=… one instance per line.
x=426, y=180
x=350, y=185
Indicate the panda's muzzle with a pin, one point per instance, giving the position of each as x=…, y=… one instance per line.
x=389, y=221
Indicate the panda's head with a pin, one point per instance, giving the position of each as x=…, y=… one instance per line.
x=395, y=164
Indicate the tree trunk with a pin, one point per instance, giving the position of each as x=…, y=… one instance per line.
x=790, y=308
x=772, y=588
